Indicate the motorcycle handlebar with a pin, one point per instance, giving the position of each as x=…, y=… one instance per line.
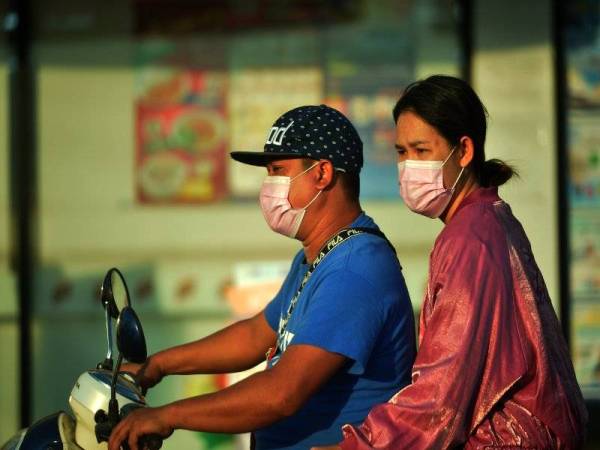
x=146, y=442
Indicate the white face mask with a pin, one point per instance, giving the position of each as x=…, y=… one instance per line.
x=422, y=186
x=276, y=207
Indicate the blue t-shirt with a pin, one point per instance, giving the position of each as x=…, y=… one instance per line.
x=355, y=304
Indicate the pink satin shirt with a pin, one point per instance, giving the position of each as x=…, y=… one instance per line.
x=493, y=370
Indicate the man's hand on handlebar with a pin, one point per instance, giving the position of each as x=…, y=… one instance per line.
x=140, y=423
x=146, y=375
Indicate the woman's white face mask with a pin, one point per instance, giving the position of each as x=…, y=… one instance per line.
x=422, y=186
x=276, y=207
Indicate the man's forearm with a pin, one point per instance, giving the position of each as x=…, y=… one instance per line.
x=248, y=405
x=253, y=403
x=237, y=347
x=261, y=399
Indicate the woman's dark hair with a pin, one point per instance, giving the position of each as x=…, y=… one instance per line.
x=453, y=108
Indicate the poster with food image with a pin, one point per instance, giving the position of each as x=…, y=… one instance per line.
x=181, y=136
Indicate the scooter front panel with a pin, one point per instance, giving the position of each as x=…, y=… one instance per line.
x=43, y=434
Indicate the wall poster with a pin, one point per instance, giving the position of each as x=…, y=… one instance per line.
x=180, y=127
x=582, y=57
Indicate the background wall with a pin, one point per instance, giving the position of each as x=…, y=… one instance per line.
x=513, y=72
x=9, y=334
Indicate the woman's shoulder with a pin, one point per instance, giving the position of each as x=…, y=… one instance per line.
x=475, y=228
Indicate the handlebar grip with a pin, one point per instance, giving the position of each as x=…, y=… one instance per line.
x=146, y=442
x=150, y=442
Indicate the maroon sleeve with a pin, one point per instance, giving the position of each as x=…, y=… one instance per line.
x=469, y=355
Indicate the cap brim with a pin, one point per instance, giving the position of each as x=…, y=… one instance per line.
x=262, y=158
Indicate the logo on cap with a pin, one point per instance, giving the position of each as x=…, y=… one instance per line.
x=277, y=133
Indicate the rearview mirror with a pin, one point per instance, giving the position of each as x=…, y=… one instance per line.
x=115, y=295
x=130, y=336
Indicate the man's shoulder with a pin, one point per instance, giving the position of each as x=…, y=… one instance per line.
x=366, y=257
x=368, y=249
x=364, y=260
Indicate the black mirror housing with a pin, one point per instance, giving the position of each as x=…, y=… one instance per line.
x=131, y=341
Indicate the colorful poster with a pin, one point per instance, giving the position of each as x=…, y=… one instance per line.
x=585, y=291
x=584, y=158
x=583, y=53
x=584, y=79
x=582, y=33
x=270, y=73
x=257, y=98
x=181, y=128
x=586, y=349
x=253, y=285
x=585, y=254
x=366, y=69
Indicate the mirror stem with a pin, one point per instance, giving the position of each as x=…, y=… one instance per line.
x=108, y=335
x=113, y=405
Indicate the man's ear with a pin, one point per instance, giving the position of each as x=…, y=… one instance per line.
x=467, y=151
x=325, y=174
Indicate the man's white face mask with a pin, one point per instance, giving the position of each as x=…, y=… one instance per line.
x=276, y=207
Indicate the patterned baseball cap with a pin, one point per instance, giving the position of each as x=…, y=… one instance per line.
x=317, y=132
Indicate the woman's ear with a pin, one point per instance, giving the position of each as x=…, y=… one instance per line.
x=467, y=151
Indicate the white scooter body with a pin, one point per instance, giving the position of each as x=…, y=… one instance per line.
x=90, y=398
x=92, y=393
